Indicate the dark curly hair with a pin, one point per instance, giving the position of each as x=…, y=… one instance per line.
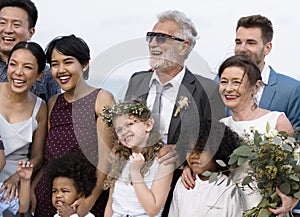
x=220, y=147
x=75, y=166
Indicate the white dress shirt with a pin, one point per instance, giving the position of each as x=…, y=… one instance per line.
x=206, y=199
x=168, y=100
x=265, y=74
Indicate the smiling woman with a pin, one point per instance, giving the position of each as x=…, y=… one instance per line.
x=23, y=115
x=75, y=124
x=240, y=79
x=239, y=83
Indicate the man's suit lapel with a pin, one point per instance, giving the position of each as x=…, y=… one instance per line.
x=269, y=91
x=143, y=87
x=187, y=89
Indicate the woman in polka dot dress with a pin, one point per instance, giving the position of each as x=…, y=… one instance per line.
x=74, y=124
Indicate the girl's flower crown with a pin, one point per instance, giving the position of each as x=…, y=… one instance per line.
x=137, y=108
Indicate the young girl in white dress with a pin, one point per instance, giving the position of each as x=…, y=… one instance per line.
x=139, y=185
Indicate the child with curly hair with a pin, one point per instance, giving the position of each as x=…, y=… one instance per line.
x=72, y=176
x=139, y=184
x=209, y=199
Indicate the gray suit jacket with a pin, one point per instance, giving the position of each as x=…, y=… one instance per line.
x=206, y=103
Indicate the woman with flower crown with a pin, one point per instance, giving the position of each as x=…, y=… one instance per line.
x=139, y=185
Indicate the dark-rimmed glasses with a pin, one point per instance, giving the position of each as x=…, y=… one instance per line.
x=126, y=126
x=160, y=37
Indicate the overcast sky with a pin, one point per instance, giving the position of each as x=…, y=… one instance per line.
x=115, y=30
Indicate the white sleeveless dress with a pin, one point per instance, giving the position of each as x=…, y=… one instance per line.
x=250, y=198
x=16, y=139
x=125, y=201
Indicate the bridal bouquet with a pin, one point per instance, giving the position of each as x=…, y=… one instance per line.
x=272, y=160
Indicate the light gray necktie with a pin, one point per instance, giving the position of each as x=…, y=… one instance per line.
x=156, y=109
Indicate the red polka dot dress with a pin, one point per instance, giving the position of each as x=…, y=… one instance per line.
x=73, y=128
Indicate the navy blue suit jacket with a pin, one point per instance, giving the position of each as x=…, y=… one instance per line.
x=282, y=93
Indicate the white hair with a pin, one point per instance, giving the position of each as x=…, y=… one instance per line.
x=187, y=27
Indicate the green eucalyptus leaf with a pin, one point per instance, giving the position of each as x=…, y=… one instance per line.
x=242, y=160
x=268, y=127
x=243, y=150
x=221, y=163
x=291, y=139
x=252, y=212
x=274, y=196
x=273, y=205
x=264, y=213
x=229, y=180
x=246, y=180
x=297, y=169
x=295, y=186
x=233, y=158
x=287, y=147
x=206, y=173
x=285, y=188
x=297, y=195
x=233, y=191
x=277, y=140
x=263, y=203
x=213, y=177
x=295, y=178
x=257, y=138
x=253, y=155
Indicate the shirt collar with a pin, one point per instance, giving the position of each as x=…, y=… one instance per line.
x=176, y=81
x=265, y=74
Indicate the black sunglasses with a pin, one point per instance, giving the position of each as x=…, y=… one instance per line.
x=160, y=37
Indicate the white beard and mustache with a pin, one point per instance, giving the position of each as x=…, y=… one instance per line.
x=163, y=60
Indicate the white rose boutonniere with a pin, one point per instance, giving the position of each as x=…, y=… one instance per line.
x=182, y=103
